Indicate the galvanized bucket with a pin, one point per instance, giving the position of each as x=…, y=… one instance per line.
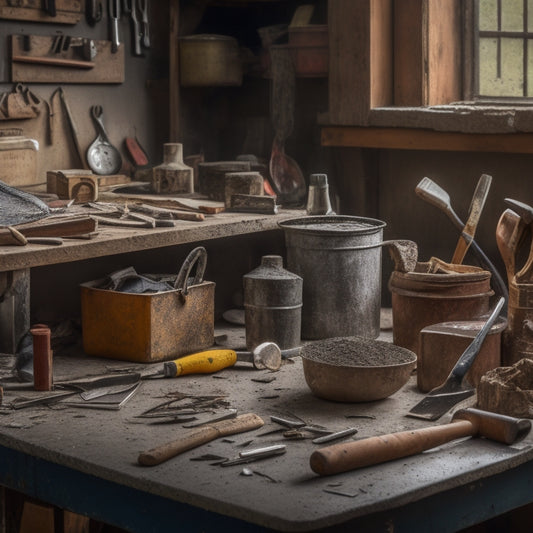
x=339, y=259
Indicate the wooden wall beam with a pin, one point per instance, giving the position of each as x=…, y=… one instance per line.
x=419, y=139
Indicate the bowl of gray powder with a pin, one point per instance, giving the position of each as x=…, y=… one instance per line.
x=356, y=369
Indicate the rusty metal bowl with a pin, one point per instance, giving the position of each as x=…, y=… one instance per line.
x=341, y=368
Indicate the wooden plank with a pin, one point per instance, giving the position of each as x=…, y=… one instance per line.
x=67, y=11
x=349, y=61
x=427, y=59
x=111, y=241
x=444, y=28
x=418, y=139
x=108, y=66
x=360, y=58
x=381, y=53
x=408, y=53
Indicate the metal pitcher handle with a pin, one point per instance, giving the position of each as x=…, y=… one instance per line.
x=197, y=257
x=404, y=253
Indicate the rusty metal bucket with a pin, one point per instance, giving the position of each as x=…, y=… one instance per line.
x=420, y=299
x=150, y=327
x=339, y=259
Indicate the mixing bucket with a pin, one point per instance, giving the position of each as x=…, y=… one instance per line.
x=420, y=299
x=339, y=259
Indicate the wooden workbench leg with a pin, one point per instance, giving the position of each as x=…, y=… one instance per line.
x=14, y=308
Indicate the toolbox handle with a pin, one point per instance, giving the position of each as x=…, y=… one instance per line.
x=198, y=255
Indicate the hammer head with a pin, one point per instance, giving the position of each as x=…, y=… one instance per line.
x=494, y=426
x=525, y=211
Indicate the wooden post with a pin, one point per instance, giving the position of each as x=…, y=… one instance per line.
x=174, y=80
x=360, y=59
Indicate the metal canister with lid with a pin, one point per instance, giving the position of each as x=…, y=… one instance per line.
x=272, y=305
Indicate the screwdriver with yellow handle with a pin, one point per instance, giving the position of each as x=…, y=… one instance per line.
x=266, y=355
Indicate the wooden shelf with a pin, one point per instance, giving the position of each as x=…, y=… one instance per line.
x=418, y=139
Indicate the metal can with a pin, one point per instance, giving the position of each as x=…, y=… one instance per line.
x=272, y=305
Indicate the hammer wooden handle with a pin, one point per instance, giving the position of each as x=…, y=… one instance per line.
x=465, y=423
x=374, y=450
x=199, y=436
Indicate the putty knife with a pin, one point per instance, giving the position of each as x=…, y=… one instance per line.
x=442, y=398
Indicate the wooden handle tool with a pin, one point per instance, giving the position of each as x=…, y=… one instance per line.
x=200, y=363
x=51, y=227
x=374, y=450
x=200, y=436
x=476, y=207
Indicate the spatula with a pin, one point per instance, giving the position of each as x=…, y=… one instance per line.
x=442, y=398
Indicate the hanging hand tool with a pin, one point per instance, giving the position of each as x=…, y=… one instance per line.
x=102, y=157
x=114, y=16
x=374, y=450
x=130, y=7
x=442, y=398
x=143, y=8
x=93, y=12
x=73, y=129
x=50, y=7
x=476, y=207
x=52, y=106
x=199, y=436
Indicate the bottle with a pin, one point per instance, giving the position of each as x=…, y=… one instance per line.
x=318, y=202
x=173, y=175
x=272, y=305
x=42, y=358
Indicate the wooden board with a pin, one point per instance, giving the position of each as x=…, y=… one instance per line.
x=67, y=11
x=427, y=54
x=360, y=58
x=108, y=67
x=420, y=139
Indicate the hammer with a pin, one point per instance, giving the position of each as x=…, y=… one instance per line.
x=468, y=422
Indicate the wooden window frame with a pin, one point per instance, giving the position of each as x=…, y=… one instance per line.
x=387, y=81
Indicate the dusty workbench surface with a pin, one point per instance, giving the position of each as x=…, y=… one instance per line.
x=112, y=240
x=282, y=492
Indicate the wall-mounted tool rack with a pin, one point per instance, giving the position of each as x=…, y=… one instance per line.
x=66, y=11
x=37, y=59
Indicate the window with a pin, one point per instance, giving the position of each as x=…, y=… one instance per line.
x=504, y=45
x=404, y=71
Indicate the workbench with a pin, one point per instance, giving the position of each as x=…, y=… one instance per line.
x=85, y=460
x=18, y=262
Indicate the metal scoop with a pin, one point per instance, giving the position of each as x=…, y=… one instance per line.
x=103, y=158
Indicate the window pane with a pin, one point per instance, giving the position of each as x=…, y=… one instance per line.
x=488, y=15
x=510, y=81
x=529, y=15
x=529, y=68
x=512, y=15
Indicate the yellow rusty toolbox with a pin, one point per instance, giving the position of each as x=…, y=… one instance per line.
x=150, y=327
